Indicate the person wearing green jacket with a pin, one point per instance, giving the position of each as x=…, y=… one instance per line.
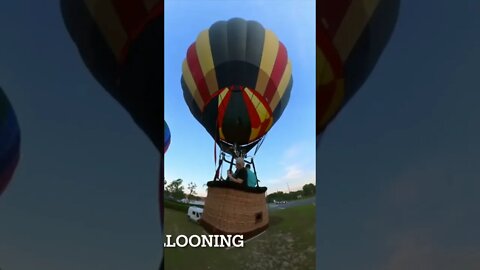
x=251, y=178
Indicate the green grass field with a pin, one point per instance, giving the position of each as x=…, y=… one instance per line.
x=289, y=243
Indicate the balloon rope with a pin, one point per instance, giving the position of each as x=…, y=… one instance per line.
x=215, y=150
x=259, y=145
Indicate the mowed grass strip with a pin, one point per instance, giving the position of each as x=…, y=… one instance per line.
x=289, y=243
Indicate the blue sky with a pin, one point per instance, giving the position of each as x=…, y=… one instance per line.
x=287, y=156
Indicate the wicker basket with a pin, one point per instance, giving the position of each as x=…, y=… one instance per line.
x=233, y=211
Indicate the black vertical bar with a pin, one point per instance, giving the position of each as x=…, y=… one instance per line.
x=217, y=172
x=231, y=163
x=254, y=170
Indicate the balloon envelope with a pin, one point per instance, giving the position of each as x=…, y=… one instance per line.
x=351, y=36
x=166, y=137
x=121, y=43
x=9, y=142
x=236, y=81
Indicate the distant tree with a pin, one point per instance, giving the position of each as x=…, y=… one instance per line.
x=309, y=190
x=175, y=189
x=191, y=188
x=166, y=193
x=276, y=196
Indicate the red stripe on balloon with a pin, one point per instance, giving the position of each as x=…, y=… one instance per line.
x=277, y=72
x=222, y=108
x=324, y=42
x=252, y=111
x=136, y=25
x=325, y=92
x=264, y=125
x=263, y=128
x=197, y=74
x=263, y=101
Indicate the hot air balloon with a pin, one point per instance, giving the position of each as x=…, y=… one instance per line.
x=166, y=137
x=121, y=43
x=236, y=81
x=9, y=142
x=351, y=36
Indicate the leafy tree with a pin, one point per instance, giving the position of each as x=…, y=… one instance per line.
x=191, y=188
x=277, y=196
x=175, y=189
x=309, y=189
x=166, y=192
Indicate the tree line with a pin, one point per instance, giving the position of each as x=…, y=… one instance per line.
x=176, y=191
x=308, y=190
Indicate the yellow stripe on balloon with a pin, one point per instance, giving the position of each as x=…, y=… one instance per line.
x=356, y=19
x=204, y=52
x=109, y=24
x=255, y=101
x=269, y=55
x=254, y=133
x=336, y=102
x=262, y=113
x=220, y=132
x=324, y=69
x=249, y=94
x=221, y=96
x=260, y=110
x=259, y=107
x=192, y=87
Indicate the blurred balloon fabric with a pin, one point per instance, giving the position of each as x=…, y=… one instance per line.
x=9, y=141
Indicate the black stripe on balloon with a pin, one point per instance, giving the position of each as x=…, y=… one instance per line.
x=209, y=118
x=10, y=154
x=192, y=105
x=255, y=42
x=370, y=46
x=277, y=113
x=236, y=123
x=219, y=45
x=94, y=50
x=9, y=129
x=237, y=47
x=142, y=85
x=237, y=73
x=236, y=39
x=4, y=105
